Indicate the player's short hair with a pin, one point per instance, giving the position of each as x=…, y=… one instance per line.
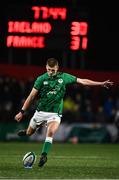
x=52, y=62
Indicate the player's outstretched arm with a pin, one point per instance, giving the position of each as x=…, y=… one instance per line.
x=26, y=104
x=88, y=82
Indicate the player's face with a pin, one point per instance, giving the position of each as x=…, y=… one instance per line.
x=51, y=70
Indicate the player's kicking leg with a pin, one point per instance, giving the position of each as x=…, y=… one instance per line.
x=26, y=132
x=22, y=132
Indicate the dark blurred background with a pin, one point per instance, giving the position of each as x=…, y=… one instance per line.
x=90, y=114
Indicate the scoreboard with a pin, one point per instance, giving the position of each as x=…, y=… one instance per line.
x=71, y=30
x=45, y=24
x=33, y=30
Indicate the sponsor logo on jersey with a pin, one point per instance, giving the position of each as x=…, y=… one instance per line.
x=45, y=82
x=60, y=81
x=51, y=92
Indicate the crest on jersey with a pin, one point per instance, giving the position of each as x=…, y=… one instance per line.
x=45, y=82
x=60, y=81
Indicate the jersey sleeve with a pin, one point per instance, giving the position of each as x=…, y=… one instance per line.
x=38, y=82
x=68, y=78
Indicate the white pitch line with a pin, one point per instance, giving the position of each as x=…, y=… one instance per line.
x=78, y=157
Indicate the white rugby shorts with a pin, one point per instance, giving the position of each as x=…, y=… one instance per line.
x=40, y=117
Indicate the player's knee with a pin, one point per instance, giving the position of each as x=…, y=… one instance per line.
x=29, y=133
x=51, y=133
x=52, y=128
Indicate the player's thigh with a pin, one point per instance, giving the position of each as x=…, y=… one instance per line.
x=35, y=121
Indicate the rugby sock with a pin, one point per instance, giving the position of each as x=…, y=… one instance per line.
x=47, y=145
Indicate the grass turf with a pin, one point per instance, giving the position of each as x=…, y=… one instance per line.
x=65, y=161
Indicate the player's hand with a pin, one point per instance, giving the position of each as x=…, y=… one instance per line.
x=107, y=84
x=18, y=117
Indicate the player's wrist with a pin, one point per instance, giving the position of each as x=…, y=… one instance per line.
x=22, y=111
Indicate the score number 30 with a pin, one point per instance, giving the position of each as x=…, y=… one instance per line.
x=78, y=33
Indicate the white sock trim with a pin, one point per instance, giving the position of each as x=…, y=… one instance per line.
x=49, y=139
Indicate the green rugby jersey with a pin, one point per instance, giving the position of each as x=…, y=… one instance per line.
x=52, y=90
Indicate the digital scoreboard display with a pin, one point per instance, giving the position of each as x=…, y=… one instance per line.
x=44, y=25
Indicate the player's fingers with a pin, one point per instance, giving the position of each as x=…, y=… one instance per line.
x=17, y=118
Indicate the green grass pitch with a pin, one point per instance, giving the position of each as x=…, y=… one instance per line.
x=65, y=161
